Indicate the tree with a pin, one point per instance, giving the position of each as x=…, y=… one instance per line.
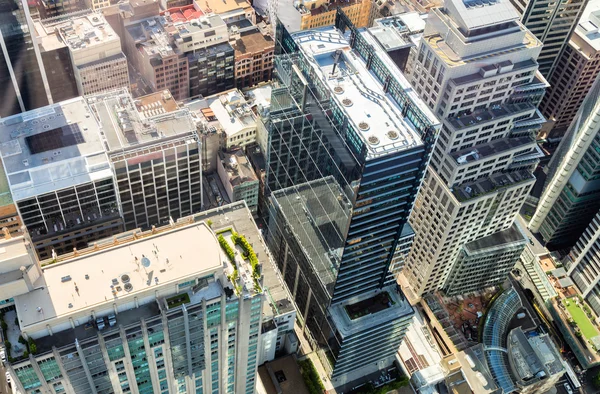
x=596, y=381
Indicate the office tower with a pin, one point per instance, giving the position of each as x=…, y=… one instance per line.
x=311, y=14
x=349, y=142
x=93, y=48
x=575, y=72
x=148, y=312
x=22, y=77
x=253, y=58
x=172, y=52
x=53, y=8
x=571, y=195
x=582, y=264
x=552, y=23
x=476, y=68
x=59, y=176
x=154, y=152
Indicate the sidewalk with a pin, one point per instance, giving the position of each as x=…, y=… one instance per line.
x=305, y=351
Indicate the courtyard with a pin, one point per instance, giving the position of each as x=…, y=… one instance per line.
x=575, y=309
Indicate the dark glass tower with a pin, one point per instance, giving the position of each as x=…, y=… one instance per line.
x=21, y=72
x=349, y=142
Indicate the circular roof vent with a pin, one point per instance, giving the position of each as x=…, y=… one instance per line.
x=393, y=135
x=145, y=261
x=364, y=126
x=128, y=287
x=125, y=278
x=338, y=90
x=373, y=140
x=347, y=102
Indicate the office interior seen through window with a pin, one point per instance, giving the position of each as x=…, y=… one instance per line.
x=299, y=197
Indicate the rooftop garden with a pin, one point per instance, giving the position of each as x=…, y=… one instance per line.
x=369, y=306
x=179, y=299
x=247, y=254
x=580, y=318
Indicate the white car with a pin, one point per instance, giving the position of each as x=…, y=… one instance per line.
x=7, y=377
x=567, y=387
x=3, y=355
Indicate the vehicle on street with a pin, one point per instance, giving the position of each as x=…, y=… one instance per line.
x=3, y=355
x=568, y=388
x=8, y=377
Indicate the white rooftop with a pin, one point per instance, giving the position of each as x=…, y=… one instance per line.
x=232, y=111
x=165, y=258
x=374, y=115
x=51, y=148
x=474, y=14
x=589, y=24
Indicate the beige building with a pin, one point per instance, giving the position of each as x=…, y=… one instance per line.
x=236, y=118
x=575, y=72
x=230, y=10
x=310, y=14
x=238, y=178
x=253, y=58
x=98, y=63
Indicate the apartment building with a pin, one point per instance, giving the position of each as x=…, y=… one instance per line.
x=94, y=49
x=184, y=51
x=346, y=155
x=148, y=312
x=238, y=178
x=311, y=14
x=231, y=11
x=253, y=58
x=570, y=198
x=575, y=72
x=476, y=69
x=552, y=23
x=154, y=153
x=59, y=176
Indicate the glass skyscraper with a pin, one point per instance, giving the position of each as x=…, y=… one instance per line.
x=349, y=143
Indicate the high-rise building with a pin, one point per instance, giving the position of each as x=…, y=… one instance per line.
x=147, y=312
x=575, y=72
x=349, y=143
x=154, y=153
x=571, y=195
x=552, y=22
x=22, y=76
x=582, y=264
x=60, y=176
x=476, y=68
x=93, y=49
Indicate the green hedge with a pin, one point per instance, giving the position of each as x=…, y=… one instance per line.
x=227, y=249
x=368, y=388
x=311, y=377
x=248, y=251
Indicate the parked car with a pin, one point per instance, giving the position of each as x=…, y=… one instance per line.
x=3, y=355
x=8, y=380
x=112, y=320
x=567, y=387
x=100, y=323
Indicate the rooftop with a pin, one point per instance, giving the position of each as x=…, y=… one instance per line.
x=51, y=148
x=282, y=376
x=477, y=14
x=5, y=196
x=588, y=26
x=222, y=6
x=374, y=311
x=122, y=271
x=82, y=30
x=494, y=182
x=491, y=148
x=238, y=167
x=318, y=216
x=251, y=43
x=128, y=122
x=374, y=114
x=396, y=31
x=232, y=111
x=475, y=370
x=499, y=239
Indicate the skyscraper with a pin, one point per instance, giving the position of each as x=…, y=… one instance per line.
x=476, y=68
x=571, y=196
x=575, y=72
x=552, y=22
x=22, y=77
x=349, y=143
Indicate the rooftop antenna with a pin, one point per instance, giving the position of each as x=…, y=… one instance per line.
x=336, y=59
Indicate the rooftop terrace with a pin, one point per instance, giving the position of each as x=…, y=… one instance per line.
x=373, y=113
x=490, y=184
x=51, y=148
x=492, y=148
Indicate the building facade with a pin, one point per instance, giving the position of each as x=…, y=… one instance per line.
x=194, y=327
x=570, y=198
x=312, y=14
x=342, y=182
x=552, y=23
x=22, y=75
x=481, y=168
x=238, y=178
x=253, y=59
x=575, y=72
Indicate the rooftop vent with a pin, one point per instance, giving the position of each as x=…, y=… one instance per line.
x=125, y=279
x=65, y=278
x=373, y=140
x=363, y=126
x=393, y=135
x=128, y=287
x=338, y=90
x=145, y=261
x=347, y=102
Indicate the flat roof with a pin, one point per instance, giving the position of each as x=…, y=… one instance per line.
x=149, y=262
x=237, y=167
x=232, y=111
x=81, y=31
x=222, y=6
x=498, y=240
x=52, y=148
x=5, y=195
x=285, y=373
x=474, y=368
x=127, y=122
x=589, y=23
x=375, y=116
x=252, y=43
